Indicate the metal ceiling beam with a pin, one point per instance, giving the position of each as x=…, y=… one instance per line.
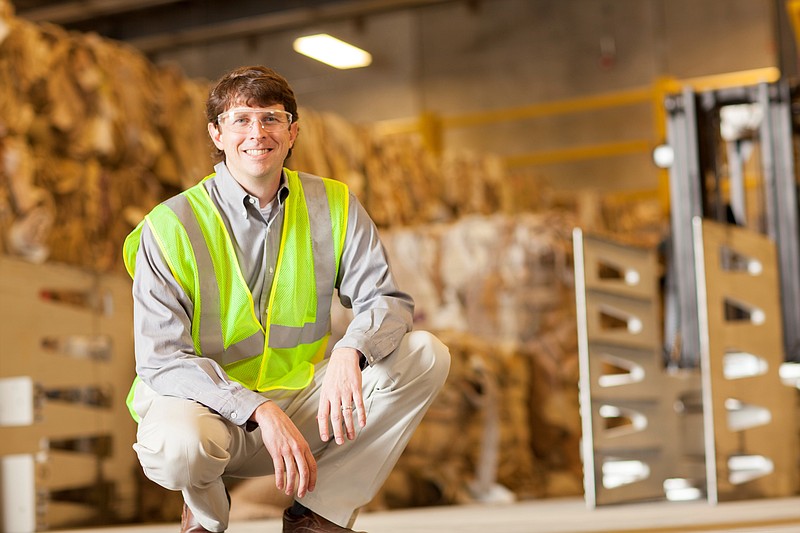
x=273, y=21
x=81, y=10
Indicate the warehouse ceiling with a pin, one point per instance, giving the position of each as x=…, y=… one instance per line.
x=155, y=25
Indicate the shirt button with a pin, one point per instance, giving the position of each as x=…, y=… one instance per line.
x=270, y=270
x=233, y=414
x=252, y=200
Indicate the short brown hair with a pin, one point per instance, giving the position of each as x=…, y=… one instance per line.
x=255, y=86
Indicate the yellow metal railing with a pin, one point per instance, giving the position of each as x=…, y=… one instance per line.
x=793, y=10
x=432, y=127
x=560, y=107
x=577, y=153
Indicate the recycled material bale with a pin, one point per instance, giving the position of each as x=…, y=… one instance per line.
x=498, y=289
x=498, y=277
x=436, y=468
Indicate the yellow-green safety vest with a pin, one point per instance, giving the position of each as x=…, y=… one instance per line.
x=195, y=243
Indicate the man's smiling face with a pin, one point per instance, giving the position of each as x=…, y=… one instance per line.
x=256, y=154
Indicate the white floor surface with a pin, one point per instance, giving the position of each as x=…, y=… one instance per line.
x=555, y=516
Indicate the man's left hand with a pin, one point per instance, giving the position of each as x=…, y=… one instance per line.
x=340, y=395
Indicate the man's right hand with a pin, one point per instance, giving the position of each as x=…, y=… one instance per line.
x=295, y=466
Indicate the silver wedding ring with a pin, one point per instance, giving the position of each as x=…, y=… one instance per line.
x=347, y=407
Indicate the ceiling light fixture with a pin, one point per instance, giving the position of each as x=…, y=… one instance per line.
x=332, y=51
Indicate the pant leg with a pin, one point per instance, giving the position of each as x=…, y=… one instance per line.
x=397, y=392
x=182, y=445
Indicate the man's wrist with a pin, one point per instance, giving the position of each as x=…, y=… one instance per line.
x=359, y=358
x=252, y=423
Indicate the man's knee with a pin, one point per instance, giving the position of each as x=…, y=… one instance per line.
x=183, y=454
x=434, y=356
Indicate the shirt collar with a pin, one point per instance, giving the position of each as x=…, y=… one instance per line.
x=231, y=192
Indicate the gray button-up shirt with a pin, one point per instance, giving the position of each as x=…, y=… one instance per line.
x=165, y=357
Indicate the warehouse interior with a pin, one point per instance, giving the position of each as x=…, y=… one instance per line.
x=592, y=202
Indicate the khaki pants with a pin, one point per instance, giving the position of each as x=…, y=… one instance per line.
x=184, y=446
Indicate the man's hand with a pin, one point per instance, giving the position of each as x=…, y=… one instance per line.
x=340, y=395
x=295, y=466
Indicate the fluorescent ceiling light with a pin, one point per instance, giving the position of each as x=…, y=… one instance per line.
x=332, y=51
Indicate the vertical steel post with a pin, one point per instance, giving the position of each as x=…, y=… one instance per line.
x=781, y=204
x=685, y=204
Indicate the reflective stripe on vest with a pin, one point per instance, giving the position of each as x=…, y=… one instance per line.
x=198, y=250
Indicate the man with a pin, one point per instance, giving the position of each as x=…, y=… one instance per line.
x=232, y=283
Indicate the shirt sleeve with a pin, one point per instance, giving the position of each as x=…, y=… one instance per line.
x=165, y=356
x=382, y=313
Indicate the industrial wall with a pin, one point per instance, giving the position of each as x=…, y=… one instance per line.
x=459, y=58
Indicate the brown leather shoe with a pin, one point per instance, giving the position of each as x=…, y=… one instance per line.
x=189, y=523
x=310, y=522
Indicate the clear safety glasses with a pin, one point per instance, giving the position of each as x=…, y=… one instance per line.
x=243, y=121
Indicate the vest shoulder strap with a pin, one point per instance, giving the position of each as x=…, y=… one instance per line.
x=338, y=195
x=130, y=246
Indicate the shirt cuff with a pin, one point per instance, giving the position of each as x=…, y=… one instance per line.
x=239, y=409
x=371, y=350
x=361, y=344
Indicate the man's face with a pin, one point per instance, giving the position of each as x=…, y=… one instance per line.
x=257, y=153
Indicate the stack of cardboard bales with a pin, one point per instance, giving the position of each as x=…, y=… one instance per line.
x=91, y=137
x=498, y=290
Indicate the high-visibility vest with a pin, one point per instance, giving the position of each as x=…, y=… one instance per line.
x=195, y=243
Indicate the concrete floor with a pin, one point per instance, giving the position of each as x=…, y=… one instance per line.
x=557, y=516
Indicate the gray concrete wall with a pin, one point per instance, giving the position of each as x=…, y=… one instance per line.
x=495, y=54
